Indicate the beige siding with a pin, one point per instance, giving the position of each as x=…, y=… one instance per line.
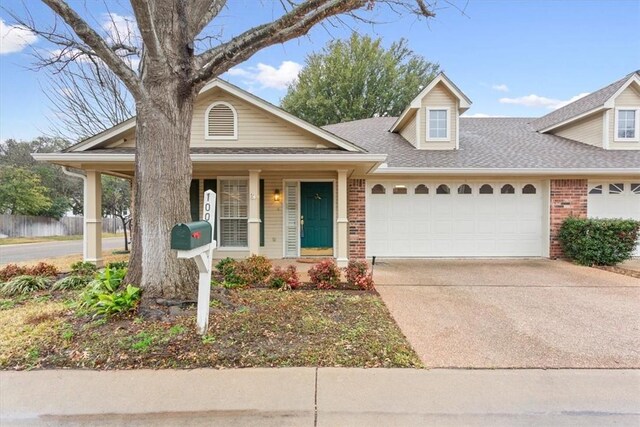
x=128, y=140
x=256, y=128
x=408, y=132
x=439, y=96
x=587, y=131
x=630, y=97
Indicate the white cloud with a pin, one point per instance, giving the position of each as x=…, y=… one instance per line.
x=14, y=38
x=268, y=76
x=501, y=87
x=541, y=101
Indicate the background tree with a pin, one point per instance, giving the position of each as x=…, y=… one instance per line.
x=357, y=79
x=21, y=192
x=116, y=201
x=172, y=71
x=63, y=192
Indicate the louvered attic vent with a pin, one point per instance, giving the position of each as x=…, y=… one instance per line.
x=221, y=122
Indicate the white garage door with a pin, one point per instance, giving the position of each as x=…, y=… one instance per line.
x=615, y=199
x=454, y=219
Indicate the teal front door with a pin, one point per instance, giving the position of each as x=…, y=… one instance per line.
x=316, y=215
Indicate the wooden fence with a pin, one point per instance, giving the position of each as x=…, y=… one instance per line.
x=40, y=226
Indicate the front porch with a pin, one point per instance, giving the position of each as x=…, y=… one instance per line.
x=269, y=211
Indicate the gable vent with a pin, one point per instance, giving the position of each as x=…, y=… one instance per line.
x=221, y=122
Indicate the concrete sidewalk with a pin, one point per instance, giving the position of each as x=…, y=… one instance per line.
x=320, y=397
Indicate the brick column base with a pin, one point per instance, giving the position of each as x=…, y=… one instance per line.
x=357, y=218
x=568, y=198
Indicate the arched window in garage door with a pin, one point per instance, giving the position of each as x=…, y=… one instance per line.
x=507, y=189
x=464, y=189
x=421, y=189
x=529, y=189
x=486, y=189
x=378, y=189
x=443, y=189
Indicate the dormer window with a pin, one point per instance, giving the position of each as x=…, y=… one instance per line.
x=626, y=125
x=221, y=121
x=437, y=124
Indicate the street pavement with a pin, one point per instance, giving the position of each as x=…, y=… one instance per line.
x=321, y=397
x=39, y=251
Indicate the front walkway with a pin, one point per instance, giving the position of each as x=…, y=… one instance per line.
x=513, y=313
x=320, y=397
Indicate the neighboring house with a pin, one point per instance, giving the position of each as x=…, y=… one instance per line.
x=429, y=183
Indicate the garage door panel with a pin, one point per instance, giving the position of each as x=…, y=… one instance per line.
x=454, y=225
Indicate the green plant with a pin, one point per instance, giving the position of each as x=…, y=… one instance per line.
x=598, y=241
x=117, y=265
x=325, y=274
x=143, y=341
x=118, y=302
x=208, y=339
x=10, y=271
x=284, y=279
x=176, y=330
x=22, y=285
x=227, y=267
x=71, y=282
x=83, y=268
x=357, y=274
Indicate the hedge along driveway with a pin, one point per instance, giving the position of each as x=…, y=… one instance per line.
x=513, y=313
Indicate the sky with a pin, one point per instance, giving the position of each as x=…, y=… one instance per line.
x=512, y=58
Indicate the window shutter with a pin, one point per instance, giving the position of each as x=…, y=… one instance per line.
x=291, y=219
x=194, y=199
x=221, y=122
x=262, y=212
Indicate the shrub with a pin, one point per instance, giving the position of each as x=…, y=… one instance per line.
x=117, y=265
x=71, y=282
x=254, y=270
x=83, y=268
x=357, y=274
x=228, y=268
x=284, y=279
x=10, y=271
x=43, y=269
x=598, y=241
x=22, y=285
x=325, y=274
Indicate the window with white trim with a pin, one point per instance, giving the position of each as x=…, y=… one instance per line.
x=234, y=212
x=626, y=125
x=438, y=124
x=221, y=121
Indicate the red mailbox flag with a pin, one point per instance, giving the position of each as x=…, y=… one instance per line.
x=196, y=235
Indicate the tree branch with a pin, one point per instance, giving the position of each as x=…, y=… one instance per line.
x=202, y=13
x=99, y=46
x=294, y=23
x=146, y=24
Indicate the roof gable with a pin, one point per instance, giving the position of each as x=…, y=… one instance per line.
x=416, y=103
x=114, y=136
x=587, y=105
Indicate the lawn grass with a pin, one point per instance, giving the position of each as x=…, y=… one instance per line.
x=259, y=328
x=21, y=240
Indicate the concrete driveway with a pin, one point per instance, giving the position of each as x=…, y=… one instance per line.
x=513, y=313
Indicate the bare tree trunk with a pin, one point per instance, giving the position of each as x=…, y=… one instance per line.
x=163, y=175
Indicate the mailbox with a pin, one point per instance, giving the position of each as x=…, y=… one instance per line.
x=191, y=235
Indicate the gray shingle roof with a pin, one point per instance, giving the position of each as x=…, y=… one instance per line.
x=486, y=143
x=581, y=106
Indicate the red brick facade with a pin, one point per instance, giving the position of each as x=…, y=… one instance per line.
x=568, y=198
x=357, y=218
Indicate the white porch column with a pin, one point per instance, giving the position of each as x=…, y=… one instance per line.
x=342, y=246
x=254, y=211
x=93, y=217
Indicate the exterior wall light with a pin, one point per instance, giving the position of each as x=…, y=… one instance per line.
x=276, y=196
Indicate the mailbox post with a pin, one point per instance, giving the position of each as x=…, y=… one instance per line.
x=195, y=240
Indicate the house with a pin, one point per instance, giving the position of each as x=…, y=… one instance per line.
x=430, y=183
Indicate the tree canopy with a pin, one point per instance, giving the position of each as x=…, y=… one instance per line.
x=21, y=192
x=357, y=79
